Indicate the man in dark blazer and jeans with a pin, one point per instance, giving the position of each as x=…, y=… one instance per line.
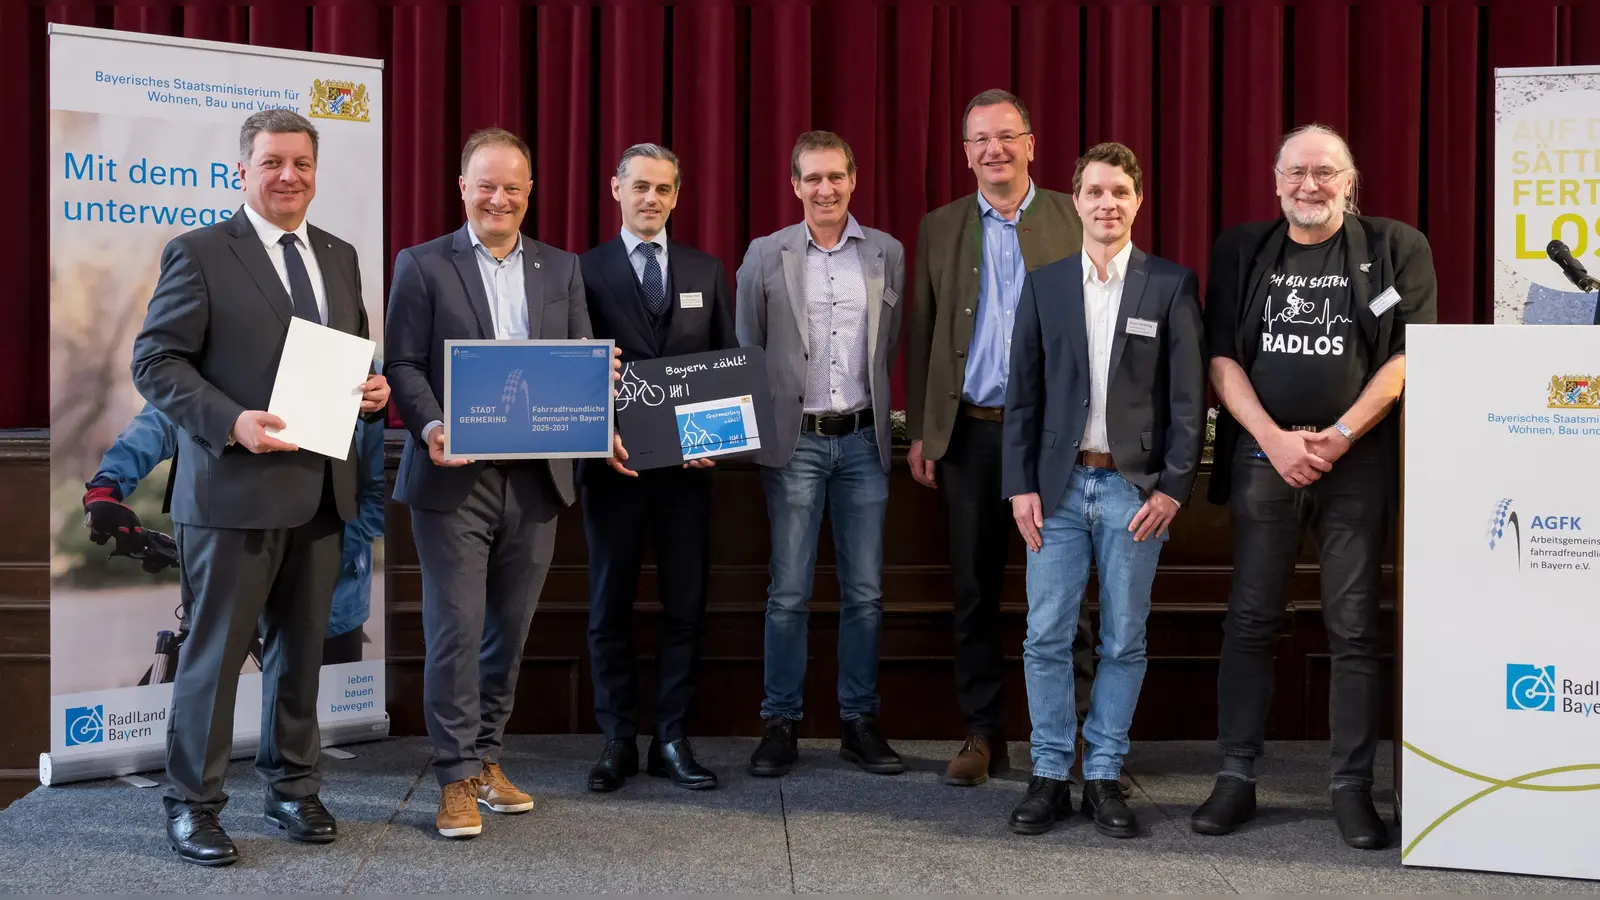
x=260, y=523
x=655, y=299
x=972, y=257
x=1105, y=418
x=484, y=530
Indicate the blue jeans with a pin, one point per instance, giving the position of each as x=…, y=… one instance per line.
x=845, y=475
x=1091, y=525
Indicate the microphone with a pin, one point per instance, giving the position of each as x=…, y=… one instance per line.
x=1561, y=255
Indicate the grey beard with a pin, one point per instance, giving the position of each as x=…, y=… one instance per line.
x=1300, y=221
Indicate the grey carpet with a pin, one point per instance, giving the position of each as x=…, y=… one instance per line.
x=827, y=827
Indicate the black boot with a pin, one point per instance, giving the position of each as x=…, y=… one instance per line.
x=860, y=743
x=779, y=750
x=618, y=761
x=1231, y=804
x=1107, y=804
x=675, y=760
x=1047, y=800
x=1358, y=819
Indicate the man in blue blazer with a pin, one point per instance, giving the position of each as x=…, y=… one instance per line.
x=1104, y=423
x=484, y=531
x=656, y=299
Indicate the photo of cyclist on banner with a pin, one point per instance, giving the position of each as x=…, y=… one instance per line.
x=151, y=439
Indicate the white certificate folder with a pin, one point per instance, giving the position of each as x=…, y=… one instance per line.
x=317, y=393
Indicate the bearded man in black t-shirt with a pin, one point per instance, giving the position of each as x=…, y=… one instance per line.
x=1305, y=328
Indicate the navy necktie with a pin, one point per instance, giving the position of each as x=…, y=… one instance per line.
x=305, y=300
x=655, y=292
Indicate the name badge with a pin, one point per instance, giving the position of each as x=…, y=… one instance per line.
x=1141, y=327
x=690, y=301
x=1383, y=301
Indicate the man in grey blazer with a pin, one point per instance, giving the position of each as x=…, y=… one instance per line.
x=822, y=298
x=484, y=531
x=260, y=523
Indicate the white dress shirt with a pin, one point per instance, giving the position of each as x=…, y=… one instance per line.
x=270, y=234
x=1102, y=301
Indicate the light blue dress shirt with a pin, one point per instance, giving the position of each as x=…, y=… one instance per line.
x=507, y=295
x=508, y=298
x=999, y=288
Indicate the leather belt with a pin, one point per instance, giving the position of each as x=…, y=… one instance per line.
x=1303, y=427
x=835, y=425
x=986, y=413
x=1096, y=460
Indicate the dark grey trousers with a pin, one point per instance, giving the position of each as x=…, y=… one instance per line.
x=230, y=579
x=483, y=566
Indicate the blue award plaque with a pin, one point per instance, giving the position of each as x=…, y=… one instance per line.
x=527, y=399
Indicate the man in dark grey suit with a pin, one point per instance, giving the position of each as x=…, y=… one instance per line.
x=484, y=531
x=822, y=298
x=1104, y=421
x=259, y=522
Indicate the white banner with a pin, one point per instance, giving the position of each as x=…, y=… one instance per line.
x=1502, y=599
x=144, y=145
x=1546, y=187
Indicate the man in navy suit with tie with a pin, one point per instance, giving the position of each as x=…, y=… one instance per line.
x=1104, y=421
x=655, y=299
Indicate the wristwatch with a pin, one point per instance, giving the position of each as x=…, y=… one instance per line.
x=1344, y=429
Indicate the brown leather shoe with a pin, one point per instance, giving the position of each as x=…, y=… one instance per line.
x=458, y=810
x=978, y=758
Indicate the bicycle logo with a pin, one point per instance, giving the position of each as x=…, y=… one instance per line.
x=633, y=388
x=1531, y=688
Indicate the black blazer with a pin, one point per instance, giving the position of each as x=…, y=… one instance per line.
x=209, y=350
x=1155, y=397
x=1395, y=254
x=437, y=295
x=616, y=307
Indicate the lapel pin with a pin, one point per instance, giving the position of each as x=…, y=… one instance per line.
x=1366, y=267
x=536, y=265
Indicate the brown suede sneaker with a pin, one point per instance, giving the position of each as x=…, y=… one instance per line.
x=497, y=792
x=978, y=758
x=458, y=810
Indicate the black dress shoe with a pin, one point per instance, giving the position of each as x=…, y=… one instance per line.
x=1047, y=800
x=305, y=819
x=860, y=743
x=1107, y=804
x=1231, y=804
x=198, y=838
x=618, y=761
x=779, y=750
x=1358, y=820
x=675, y=760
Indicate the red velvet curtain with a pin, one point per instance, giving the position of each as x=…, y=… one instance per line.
x=1201, y=93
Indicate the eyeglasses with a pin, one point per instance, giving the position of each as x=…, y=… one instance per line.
x=1006, y=139
x=1322, y=175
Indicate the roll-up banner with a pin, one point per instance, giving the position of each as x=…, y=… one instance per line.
x=1546, y=188
x=144, y=145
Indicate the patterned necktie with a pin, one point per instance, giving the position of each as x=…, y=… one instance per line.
x=305, y=301
x=655, y=291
